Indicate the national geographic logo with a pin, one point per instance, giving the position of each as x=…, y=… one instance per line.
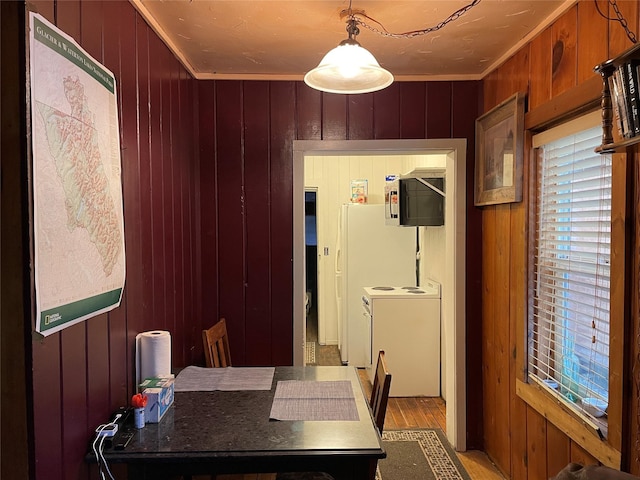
x=52, y=318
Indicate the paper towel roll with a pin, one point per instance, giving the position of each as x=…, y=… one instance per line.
x=153, y=354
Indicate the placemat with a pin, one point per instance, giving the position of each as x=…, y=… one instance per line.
x=200, y=379
x=314, y=400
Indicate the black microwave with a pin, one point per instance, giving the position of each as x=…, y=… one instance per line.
x=421, y=201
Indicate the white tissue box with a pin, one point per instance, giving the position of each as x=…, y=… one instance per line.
x=159, y=393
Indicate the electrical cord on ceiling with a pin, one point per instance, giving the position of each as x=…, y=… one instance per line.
x=620, y=18
x=414, y=33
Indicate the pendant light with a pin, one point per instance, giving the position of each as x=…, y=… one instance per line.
x=349, y=68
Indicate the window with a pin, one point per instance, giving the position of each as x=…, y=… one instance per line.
x=568, y=336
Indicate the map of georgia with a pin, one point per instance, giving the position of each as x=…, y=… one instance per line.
x=73, y=144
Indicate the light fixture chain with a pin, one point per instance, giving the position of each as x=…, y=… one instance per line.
x=383, y=31
x=623, y=21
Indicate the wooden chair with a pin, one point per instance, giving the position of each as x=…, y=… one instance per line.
x=380, y=392
x=216, y=345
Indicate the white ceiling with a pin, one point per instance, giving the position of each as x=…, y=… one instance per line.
x=283, y=39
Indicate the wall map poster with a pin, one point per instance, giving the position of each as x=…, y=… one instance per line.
x=77, y=190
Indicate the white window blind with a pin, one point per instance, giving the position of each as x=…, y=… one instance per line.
x=569, y=311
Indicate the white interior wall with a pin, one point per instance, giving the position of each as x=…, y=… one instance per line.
x=332, y=176
x=433, y=245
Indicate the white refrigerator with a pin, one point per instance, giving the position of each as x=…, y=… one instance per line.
x=369, y=254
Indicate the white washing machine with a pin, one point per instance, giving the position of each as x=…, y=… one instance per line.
x=405, y=323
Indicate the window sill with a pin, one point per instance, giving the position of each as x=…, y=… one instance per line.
x=569, y=423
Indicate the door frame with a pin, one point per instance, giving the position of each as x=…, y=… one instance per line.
x=453, y=302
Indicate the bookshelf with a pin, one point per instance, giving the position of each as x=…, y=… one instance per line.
x=620, y=101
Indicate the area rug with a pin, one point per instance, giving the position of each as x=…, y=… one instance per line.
x=419, y=455
x=310, y=353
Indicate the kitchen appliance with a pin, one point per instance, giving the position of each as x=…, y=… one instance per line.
x=391, y=200
x=405, y=323
x=368, y=253
x=415, y=199
x=421, y=201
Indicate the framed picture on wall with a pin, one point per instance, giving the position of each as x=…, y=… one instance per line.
x=499, y=151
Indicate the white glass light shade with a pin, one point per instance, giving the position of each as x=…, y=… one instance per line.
x=348, y=68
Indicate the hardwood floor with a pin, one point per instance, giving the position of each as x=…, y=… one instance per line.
x=409, y=412
x=430, y=412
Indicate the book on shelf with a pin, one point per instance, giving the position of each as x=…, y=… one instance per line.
x=631, y=94
x=619, y=102
x=618, y=132
x=634, y=87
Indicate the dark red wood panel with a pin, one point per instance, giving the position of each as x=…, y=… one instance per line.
x=118, y=373
x=145, y=263
x=208, y=201
x=188, y=260
x=91, y=38
x=129, y=133
x=308, y=112
x=168, y=187
x=413, y=101
x=466, y=105
x=386, y=112
x=129, y=130
x=156, y=169
x=176, y=322
x=334, y=116
x=257, y=201
x=46, y=8
x=74, y=399
x=438, y=110
x=190, y=263
x=360, y=119
x=67, y=18
x=283, y=127
x=47, y=408
x=231, y=213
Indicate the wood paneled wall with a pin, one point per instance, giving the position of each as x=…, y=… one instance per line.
x=77, y=377
x=207, y=181
x=520, y=441
x=247, y=131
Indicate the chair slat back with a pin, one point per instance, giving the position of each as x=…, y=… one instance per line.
x=216, y=345
x=380, y=392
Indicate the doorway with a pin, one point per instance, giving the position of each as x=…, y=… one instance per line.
x=453, y=281
x=317, y=350
x=311, y=274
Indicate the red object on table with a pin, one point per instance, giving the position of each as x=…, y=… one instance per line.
x=139, y=400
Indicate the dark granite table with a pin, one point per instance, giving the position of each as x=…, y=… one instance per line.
x=230, y=432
